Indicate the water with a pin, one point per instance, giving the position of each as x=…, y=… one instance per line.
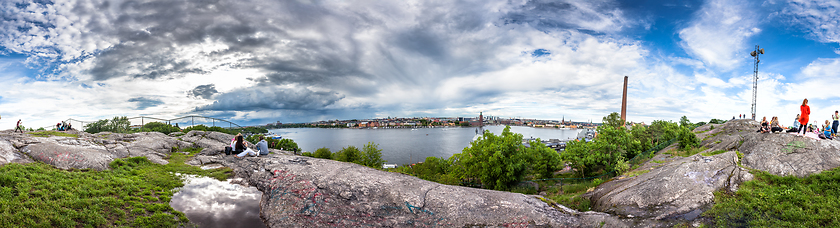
x=404, y=146
x=208, y=202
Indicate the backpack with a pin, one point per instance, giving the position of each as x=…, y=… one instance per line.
x=228, y=150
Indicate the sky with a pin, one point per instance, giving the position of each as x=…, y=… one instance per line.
x=255, y=61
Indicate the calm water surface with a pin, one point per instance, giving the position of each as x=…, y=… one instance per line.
x=208, y=202
x=403, y=146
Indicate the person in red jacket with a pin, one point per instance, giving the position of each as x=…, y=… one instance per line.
x=803, y=118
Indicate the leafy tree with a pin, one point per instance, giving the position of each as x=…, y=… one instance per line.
x=202, y=127
x=613, y=120
x=684, y=122
x=159, y=127
x=544, y=160
x=372, y=155
x=286, y=144
x=323, y=152
x=116, y=125
x=498, y=161
x=717, y=121
x=687, y=138
x=349, y=154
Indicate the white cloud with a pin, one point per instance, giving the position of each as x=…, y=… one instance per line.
x=821, y=18
x=718, y=33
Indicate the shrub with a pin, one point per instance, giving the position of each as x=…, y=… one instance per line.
x=349, y=154
x=687, y=138
x=372, y=155
x=116, y=125
x=543, y=160
x=323, y=152
x=498, y=161
x=159, y=127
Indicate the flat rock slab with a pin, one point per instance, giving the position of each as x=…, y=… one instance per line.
x=64, y=156
x=309, y=192
x=672, y=190
x=789, y=154
x=10, y=154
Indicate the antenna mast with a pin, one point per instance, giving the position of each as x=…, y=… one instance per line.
x=758, y=51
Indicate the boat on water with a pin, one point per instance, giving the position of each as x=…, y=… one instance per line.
x=388, y=166
x=273, y=136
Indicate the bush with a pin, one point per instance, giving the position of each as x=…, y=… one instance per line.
x=543, y=160
x=349, y=154
x=687, y=138
x=498, y=161
x=323, y=152
x=286, y=144
x=372, y=155
x=116, y=125
x=201, y=127
x=159, y=127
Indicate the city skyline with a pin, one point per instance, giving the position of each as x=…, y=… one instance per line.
x=257, y=62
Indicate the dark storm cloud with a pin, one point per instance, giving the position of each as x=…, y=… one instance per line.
x=271, y=98
x=145, y=102
x=203, y=91
x=589, y=17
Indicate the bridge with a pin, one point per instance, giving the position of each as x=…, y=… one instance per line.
x=183, y=122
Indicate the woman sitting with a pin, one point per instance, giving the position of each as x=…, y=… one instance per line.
x=827, y=130
x=241, y=146
x=775, y=126
x=765, y=126
x=795, y=125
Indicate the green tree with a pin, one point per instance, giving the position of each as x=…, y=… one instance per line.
x=687, y=139
x=498, y=161
x=372, y=155
x=613, y=120
x=286, y=144
x=349, y=154
x=323, y=152
x=544, y=160
x=115, y=125
x=717, y=121
x=159, y=127
x=684, y=122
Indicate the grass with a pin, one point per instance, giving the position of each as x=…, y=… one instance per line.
x=686, y=152
x=134, y=193
x=636, y=173
x=569, y=194
x=51, y=133
x=774, y=201
x=793, y=146
x=713, y=153
x=659, y=161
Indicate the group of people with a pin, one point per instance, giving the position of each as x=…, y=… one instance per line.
x=240, y=146
x=800, y=125
x=63, y=126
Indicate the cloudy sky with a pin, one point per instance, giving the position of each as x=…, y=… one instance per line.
x=259, y=61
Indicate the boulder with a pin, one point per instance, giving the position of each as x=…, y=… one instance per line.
x=309, y=192
x=789, y=154
x=10, y=154
x=672, y=190
x=212, y=142
x=70, y=153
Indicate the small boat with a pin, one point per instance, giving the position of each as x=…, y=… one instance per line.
x=388, y=166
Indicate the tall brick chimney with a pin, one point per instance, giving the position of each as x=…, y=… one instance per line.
x=624, y=103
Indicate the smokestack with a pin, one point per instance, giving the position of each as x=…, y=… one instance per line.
x=624, y=103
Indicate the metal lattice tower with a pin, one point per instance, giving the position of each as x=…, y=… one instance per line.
x=758, y=51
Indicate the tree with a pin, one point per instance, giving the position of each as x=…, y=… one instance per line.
x=684, y=122
x=372, y=155
x=544, y=160
x=159, y=127
x=349, y=154
x=613, y=120
x=323, y=152
x=687, y=139
x=498, y=161
x=286, y=144
x=116, y=125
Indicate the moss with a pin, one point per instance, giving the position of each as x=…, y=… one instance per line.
x=636, y=173
x=52, y=133
x=713, y=153
x=135, y=192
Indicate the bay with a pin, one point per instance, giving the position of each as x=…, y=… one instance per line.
x=406, y=145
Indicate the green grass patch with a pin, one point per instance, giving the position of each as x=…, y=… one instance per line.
x=51, y=133
x=135, y=192
x=636, y=173
x=774, y=201
x=713, y=153
x=793, y=146
x=569, y=194
x=687, y=152
x=659, y=161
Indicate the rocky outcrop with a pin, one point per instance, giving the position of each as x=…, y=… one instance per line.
x=672, y=190
x=88, y=151
x=212, y=142
x=10, y=154
x=683, y=187
x=310, y=192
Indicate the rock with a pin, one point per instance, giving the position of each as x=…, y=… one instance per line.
x=10, y=154
x=68, y=153
x=672, y=190
x=309, y=192
x=788, y=154
x=212, y=142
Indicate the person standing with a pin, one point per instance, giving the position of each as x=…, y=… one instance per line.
x=803, y=117
x=834, y=125
x=18, y=127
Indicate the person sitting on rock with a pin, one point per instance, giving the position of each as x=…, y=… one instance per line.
x=765, y=126
x=795, y=126
x=241, y=146
x=827, y=130
x=262, y=146
x=775, y=126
